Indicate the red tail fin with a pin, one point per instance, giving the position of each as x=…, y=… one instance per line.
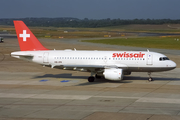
x=27, y=40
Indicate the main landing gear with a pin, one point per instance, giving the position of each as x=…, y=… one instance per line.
x=150, y=78
x=91, y=79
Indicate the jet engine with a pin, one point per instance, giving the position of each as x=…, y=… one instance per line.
x=113, y=74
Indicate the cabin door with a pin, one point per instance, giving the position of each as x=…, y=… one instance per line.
x=149, y=59
x=45, y=57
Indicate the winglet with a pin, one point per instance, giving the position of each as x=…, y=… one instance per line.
x=27, y=40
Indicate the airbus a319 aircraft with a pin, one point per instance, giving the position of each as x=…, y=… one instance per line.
x=110, y=64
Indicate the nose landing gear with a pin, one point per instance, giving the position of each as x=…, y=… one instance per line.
x=150, y=78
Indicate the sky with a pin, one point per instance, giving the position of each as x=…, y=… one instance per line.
x=91, y=9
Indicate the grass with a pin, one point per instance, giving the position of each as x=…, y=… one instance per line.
x=147, y=42
x=114, y=31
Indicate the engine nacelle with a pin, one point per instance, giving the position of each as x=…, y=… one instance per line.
x=113, y=74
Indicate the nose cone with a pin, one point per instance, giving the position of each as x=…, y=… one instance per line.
x=172, y=64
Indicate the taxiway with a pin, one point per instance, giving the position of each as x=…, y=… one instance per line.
x=30, y=91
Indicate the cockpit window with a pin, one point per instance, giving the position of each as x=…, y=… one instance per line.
x=163, y=58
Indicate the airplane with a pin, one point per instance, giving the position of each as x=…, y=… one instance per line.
x=111, y=65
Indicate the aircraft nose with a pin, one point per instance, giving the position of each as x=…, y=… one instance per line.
x=173, y=64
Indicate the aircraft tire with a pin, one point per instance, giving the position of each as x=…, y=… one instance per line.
x=150, y=79
x=91, y=79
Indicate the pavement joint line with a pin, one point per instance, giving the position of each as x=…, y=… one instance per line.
x=178, y=113
x=64, y=104
x=101, y=91
x=126, y=106
x=87, y=105
x=45, y=96
x=153, y=90
x=85, y=97
x=87, y=116
x=150, y=117
x=158, y=100
x=117, y=97
x=32, y=112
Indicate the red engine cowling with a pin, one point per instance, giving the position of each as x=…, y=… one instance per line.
x=113, y=74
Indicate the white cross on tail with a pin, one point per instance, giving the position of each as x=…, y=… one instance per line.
x=24, y=35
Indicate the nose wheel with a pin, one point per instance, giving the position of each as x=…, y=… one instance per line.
x=150, y=78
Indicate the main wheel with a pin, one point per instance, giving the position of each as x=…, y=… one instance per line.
x=91, y=79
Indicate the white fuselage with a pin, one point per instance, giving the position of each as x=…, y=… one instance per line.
x=92, y=61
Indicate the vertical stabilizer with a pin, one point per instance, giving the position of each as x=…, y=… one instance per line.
x=27, y=40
